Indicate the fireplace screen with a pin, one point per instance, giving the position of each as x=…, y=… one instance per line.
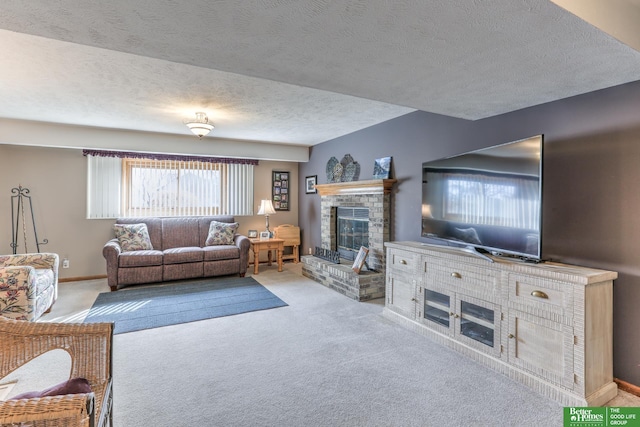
x=352, y=230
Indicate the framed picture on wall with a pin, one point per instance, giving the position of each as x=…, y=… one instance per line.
x=280, y=190
x=382, y=168
x=310, y=184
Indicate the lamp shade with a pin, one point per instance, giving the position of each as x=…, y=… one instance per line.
x=266, y=208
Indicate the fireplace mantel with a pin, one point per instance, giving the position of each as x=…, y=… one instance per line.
x=373, y=186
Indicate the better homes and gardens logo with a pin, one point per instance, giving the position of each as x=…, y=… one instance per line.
x=601, y=417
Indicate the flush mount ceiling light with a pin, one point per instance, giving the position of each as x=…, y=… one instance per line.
x=200, y=125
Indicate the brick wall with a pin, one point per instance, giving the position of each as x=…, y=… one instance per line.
x=379, y=223
x=340, y=277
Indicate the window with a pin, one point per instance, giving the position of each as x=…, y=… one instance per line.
x=171, y=186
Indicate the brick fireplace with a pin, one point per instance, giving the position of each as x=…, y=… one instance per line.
x=374, y=195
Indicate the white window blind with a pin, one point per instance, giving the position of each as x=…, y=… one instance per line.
x=240, y=189
x=170, y=187
x=104, y=180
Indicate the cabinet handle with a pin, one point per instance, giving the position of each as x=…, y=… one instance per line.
x=456, y=275
x=539, y=294
x=456, y=316
x=451, y=313
x=403, y=262
x=414, y=300
x=511, y=336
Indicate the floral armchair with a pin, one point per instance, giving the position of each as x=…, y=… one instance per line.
x=28, y=285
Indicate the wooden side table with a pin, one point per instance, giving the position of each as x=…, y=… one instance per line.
x=267, y=245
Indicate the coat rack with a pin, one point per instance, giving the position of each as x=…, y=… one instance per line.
x=18, y=216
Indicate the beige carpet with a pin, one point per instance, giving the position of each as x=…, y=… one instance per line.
x=323, y=361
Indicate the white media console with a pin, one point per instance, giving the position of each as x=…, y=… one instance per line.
x=548, y=325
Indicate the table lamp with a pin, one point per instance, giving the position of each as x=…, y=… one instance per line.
x=266, y=209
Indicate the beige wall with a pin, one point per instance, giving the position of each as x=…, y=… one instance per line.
x=56, y=178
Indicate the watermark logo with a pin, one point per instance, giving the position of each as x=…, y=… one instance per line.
x=601, y=417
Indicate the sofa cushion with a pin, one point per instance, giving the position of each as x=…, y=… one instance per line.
x=133, y=237
x=154, y=227
x=221, y=233
x=214, y=253
x=72, y=386
x=179, y=232
x=204, y=223
x=140, y=258
x=182, y=255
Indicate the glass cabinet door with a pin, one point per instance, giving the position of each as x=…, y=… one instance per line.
x=476, y=323
x=437, y=308
x=470, y=320
x=479, y=324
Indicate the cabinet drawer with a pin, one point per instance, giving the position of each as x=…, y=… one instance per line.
x=403, y=261
x=483, y=282
x=540, y=296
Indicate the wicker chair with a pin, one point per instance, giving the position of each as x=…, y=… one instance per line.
x=90, y=348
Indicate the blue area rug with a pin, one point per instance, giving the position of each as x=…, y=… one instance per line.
x=134, y=309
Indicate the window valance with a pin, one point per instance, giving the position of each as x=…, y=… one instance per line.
x=174, y=157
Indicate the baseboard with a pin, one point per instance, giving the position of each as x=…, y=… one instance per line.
x=628, y=387
x=77, y=279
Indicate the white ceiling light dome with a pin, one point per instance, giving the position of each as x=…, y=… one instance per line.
x=200, y=125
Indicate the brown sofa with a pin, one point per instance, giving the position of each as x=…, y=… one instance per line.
x=179, y=252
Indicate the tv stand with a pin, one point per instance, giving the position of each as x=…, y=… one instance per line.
x=548, y=326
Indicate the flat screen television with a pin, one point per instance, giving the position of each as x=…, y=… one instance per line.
x=489, y=199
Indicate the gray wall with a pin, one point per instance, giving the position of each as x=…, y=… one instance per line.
x=591, y=193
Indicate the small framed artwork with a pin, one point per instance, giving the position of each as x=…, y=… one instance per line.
x=252, y=234
x=265, y=235
x=310, y=184
x=359, y=261
x=280, y=185
x=382, y=168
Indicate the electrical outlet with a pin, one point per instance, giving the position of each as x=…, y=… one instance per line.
x=65, y=263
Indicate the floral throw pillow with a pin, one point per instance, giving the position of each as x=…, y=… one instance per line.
x=221, y=233
x=133, y=237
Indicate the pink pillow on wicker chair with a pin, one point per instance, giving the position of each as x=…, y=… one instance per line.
x=72, y=386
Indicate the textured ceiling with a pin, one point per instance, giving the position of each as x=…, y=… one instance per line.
x=287, y=71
